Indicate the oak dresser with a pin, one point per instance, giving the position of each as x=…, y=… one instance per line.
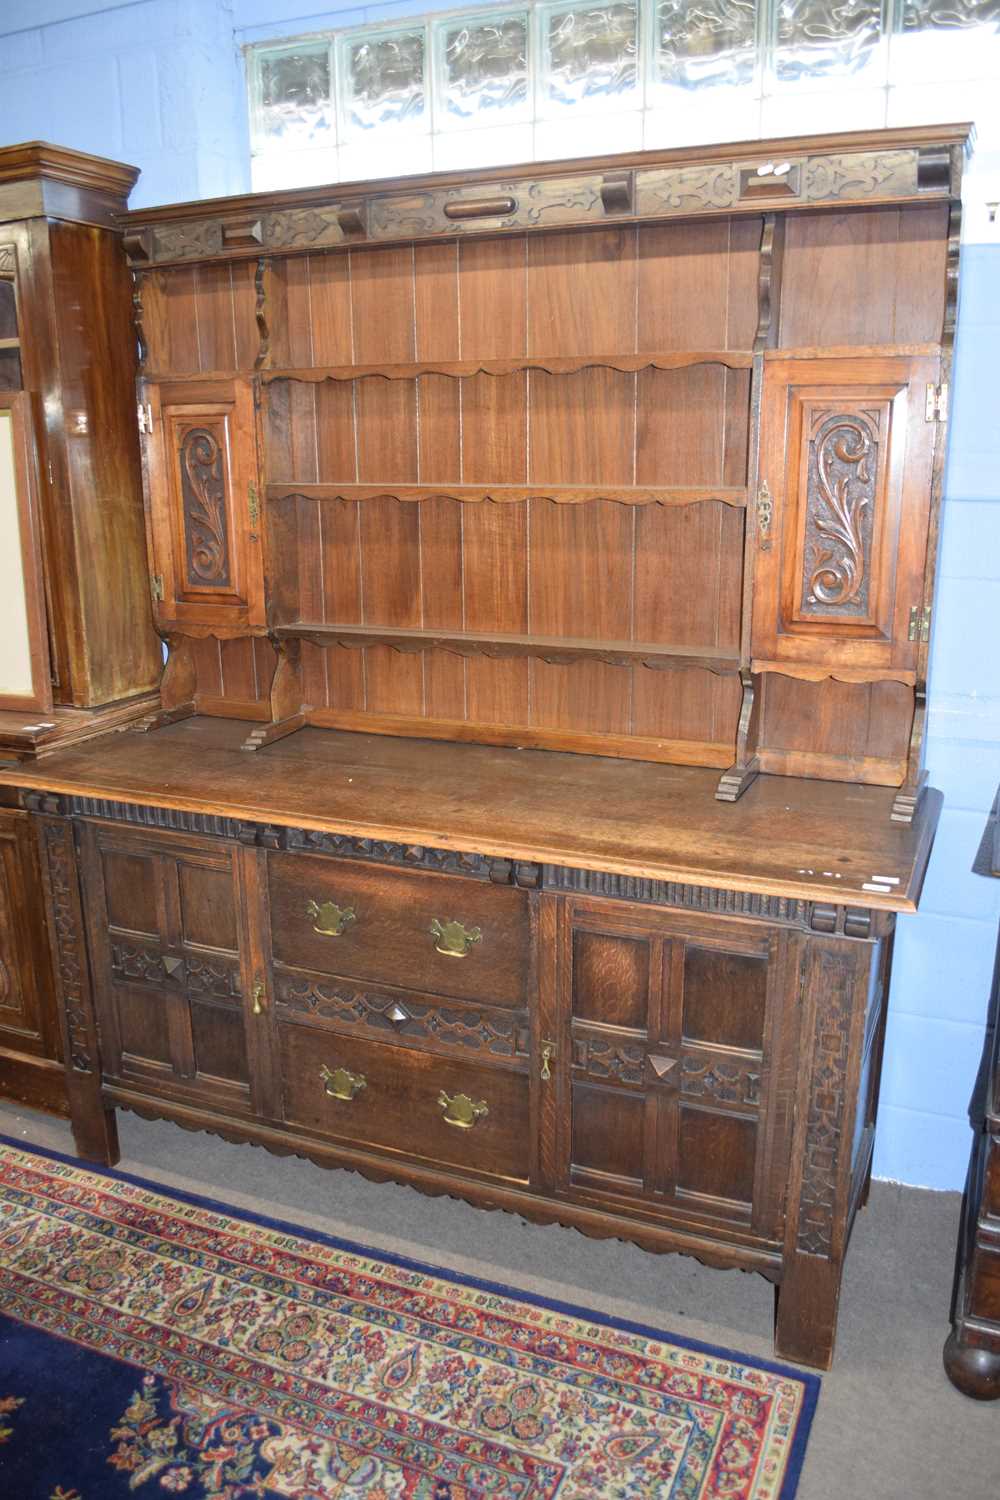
x=545, y=560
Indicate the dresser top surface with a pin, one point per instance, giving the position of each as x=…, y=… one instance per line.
x=813, y=840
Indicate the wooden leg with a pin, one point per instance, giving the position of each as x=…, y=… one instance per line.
x=746, y=768
x=94, y=1126
x=806, y=1318
x=972, y=1370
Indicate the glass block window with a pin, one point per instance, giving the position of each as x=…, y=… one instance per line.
x=493, y=85
x=482, y=70
x=589, y=55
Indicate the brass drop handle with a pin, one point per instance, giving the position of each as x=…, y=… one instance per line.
x=548, y=1053
x=454, y=940
x=341, y=1083
x=329, y=919
x=257, y=998
x=461, y=1111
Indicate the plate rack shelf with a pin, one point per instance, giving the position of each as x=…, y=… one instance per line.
x=392, y=486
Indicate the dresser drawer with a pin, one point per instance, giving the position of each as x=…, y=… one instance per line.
x=390, y=926
x=371, y=1094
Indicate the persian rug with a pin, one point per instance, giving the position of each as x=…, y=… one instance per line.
x=155, y=1343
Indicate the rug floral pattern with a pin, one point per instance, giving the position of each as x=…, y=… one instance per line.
x=269, y=1364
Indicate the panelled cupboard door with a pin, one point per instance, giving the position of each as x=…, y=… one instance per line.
x=847, y=453
x=163, y=922
x=202, y=490
x=27, y=1009
x=677, y=1084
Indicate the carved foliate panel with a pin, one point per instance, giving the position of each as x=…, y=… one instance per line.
x=203, y=506
x=847, y=453
x=845, y=462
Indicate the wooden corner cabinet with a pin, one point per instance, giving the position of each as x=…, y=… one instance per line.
x=78, y=651
x=545, y=559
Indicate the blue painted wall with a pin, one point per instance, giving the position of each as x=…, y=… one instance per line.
x=159, y=83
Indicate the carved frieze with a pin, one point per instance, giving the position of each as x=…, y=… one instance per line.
x=726, y=1081
x=859, y=175
x=417, y=856
x=605, y=1057
x=671, y=893
x=494, y=1033
x=842, y=473
x=144, y=963
x=203, y=497
x=854, y=922
x=188, y=241
x=7, y=262
x=527, y=204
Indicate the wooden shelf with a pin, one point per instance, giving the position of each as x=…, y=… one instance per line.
x=552, y=364
x=544, y=647
x=9, y=344
x=819, y=671
x=562, y=494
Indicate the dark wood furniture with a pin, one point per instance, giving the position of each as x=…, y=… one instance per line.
x=635, y=458
x=78, y=652
x=972, y=1350
x=577, y=988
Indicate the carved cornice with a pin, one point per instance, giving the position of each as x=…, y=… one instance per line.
x=33, y=159
x=889, y=166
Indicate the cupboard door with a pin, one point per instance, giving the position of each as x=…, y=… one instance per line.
x=29, y=1029
x=25, y=676
x=163, y=917
x=203, y=495
x=846, y=457
x=675, y=1045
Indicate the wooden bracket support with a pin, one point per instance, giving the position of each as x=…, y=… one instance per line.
x=746, y=768
x=178, y=686
x=907, y=798
x=287, y=708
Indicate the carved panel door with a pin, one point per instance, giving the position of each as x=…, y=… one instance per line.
x=676, y=1064
x=163, y=917
x=202, y=492
x=847, y=454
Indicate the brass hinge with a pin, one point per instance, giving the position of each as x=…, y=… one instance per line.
x=144, y=416
x=920, y=624
x=156, y=587
x=765, y=515
x=253, y=507
x=936, y=409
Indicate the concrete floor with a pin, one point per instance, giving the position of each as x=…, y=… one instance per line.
x=889, y=1426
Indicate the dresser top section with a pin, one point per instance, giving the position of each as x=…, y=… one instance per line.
x=819, y=841
x=851, y=169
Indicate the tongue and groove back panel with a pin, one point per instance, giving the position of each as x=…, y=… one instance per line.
x=504, y=479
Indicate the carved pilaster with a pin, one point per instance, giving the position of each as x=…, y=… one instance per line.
x=69, y=956
x=94, y=1130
